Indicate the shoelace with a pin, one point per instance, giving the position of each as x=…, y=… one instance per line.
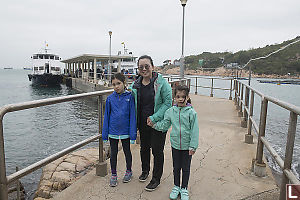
x=128, y=173
x=184, y=192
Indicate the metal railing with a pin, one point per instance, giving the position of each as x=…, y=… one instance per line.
x=100, y=76
x=196, y=84
x=101, y=168
x=242, y=99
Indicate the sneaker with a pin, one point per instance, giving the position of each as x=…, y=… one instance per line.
x=184, y=194
x=175, y=192
x=152, y=185
x=113, y=181
x=127, y=176
x=143, y=177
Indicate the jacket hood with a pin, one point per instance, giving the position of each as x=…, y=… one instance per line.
x=125, y=93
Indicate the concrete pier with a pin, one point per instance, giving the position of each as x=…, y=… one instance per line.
x=221, y=167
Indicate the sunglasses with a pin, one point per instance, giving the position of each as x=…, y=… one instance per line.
x=141, y=67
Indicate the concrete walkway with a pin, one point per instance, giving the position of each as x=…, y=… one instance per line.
x=220, y=168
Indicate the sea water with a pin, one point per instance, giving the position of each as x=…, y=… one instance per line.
x=33, y=134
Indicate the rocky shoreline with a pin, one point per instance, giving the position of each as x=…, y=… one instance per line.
x=222, y=72
x=61, y=173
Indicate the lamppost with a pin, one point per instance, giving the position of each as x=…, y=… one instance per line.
x=109, y=62
x=183, y=3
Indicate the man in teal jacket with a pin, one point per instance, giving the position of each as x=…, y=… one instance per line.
x=153, y=96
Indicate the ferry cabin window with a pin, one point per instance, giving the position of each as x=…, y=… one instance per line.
x=52, y=57
x=56, y=58
x=46, y=56
x=41, y=68
x=40, y=56
x=57, y=69
x=127, y=60
x=36, y=68
x=35, y=57
x=52, y=68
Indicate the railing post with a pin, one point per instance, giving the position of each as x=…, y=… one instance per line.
x=101, y=167
x=240, y=113
x=3, y=179
x=196, y=85
x=235, y=92
x=230, y=92
x=212, y=86
x=249, y=136
x=260, y=166
x=238, y=95
x=245, y=116
x=18, y=186
x=288, y=153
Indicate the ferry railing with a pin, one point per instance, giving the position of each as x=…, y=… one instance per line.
x=101, y=166
x=258, y=165
x=197, y=84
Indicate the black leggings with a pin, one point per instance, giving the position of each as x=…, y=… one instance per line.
x=114, y=153
x=181, y=161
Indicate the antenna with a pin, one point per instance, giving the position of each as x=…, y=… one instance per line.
x=125, y=50
x=46, y=47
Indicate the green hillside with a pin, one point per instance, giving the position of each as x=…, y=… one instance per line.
x=283, y=62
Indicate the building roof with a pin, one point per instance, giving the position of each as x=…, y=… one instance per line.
x=90, y=57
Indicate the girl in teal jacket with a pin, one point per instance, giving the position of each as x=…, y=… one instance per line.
x=184, y=138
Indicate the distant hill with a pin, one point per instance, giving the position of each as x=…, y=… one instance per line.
x=281, y=63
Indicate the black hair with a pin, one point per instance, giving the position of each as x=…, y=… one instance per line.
x=120, y=77
x=145, y=57
x=186, y=90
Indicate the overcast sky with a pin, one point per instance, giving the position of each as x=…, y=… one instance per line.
x=74, y=27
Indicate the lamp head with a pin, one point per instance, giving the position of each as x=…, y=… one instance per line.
x=110, y=33
x=183, y=2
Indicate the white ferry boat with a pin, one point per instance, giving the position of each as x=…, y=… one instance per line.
x=46, y=69
x=127, y=65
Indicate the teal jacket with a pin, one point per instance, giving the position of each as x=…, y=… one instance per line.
x=162, y=99
x=185, y=129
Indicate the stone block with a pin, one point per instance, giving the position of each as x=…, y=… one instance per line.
x=240, y=114
x=248, y=139
x=101, y=169
x=66, y=166
x=244, y=123
x=260, y=169
x=62, y=176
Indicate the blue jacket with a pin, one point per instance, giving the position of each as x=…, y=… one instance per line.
x=119, y=117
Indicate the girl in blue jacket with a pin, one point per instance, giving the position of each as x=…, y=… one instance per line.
x=119, y=124
x=184, y=138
